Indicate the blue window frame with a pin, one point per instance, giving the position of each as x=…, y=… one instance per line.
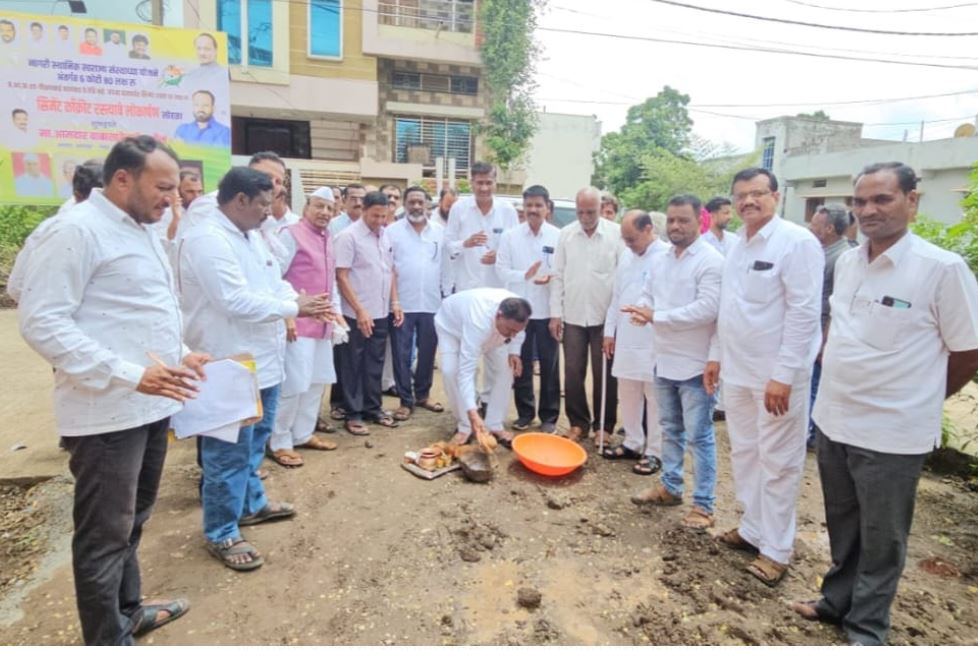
x=767, y=154
x=229, y=19
x=326, y=28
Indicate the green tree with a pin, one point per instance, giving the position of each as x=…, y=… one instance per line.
x=659, y=123
x=509, y=55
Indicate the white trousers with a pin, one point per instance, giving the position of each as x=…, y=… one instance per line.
x=632, y=396
x=767, y=454
x=295, y=420
x=448, y=347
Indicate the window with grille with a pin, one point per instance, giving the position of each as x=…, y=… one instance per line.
x=436, y=83
x=767, y=155
x=420, y=140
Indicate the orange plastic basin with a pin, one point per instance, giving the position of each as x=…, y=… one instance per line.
x=548, y=454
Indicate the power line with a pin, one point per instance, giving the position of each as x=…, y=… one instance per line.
x=652, y=39
x=883, y=11
x=801, y=23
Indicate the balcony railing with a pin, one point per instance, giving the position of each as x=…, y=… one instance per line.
x=449, y=15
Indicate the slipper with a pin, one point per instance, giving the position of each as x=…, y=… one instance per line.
x=434, y=407
x=647, y=466
x=317, y=443
x=285, y=457
x=698, y=519
x=272, y=511
x=149, y=612
x=338, y=413
x=402, y=413
x=385, y=420
x=733, y=539
x=621, y=452
x=657, y=495
x=324, y=426
x=767, y=570
x=357, y=428
x=230, y=548
x=810, y=611
x=522, y=425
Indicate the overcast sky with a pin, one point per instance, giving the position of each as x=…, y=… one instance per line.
x=575, y=69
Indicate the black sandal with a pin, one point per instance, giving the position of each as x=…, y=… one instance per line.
x=148, y=614
x=647, y=466
x=621, y=452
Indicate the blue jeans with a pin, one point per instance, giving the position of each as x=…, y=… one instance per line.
x=685, y=406
x=231, y=487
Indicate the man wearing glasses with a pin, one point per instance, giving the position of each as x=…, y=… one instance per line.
x=416, y=243
x=768, y=334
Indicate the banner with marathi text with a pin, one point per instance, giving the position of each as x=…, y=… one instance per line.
x=72, y=87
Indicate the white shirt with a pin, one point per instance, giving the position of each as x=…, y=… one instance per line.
x=15, y=281
x=584, y=273
x=271, y=228
x=99, y=295
x=466, y=219
x=634, y=345
x=684, y=293
x=722, y=246
x=202, y=207
x=233, y=296
x=338, y=223
x=519, y=249
x=884, y=369
x=471, y=316
x=418, y=265
x=770, y=305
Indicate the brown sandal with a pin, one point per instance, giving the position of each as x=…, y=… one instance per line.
x=434, y=407
x=357, y=428
x=402, y=413
x=286, y=458
x=317, y=443
x=767, y=570
x=656, y=495
x=733, y=539
x=698, y=519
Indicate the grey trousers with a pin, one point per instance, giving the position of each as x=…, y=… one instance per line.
x=117, y=476
x=869, y=503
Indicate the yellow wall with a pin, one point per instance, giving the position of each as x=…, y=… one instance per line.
x=354, y=65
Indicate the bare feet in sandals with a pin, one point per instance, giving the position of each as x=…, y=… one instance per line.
x=236, y=554
x=286, y=458
x=317, y=443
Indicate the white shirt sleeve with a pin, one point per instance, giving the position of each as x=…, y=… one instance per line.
x=516, y=344
x=957, y=307
x=802, y=280
x=469, y=353
x=287, y=241
x=216, y=268
x=701, y=311
x=613, y=313
x=504, y=260
x=58, y=272
x=453, y=232
x=557, y=281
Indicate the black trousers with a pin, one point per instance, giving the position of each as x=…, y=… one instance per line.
x=869, y=503
x=336, y=390
x=580, y=343
x=418, y=329
x=117, y=476
x=362, y=363
x=538, y=337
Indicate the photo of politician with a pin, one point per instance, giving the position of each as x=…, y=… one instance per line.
x=205, y=129
x=90, y=46
x=32, y=174
x=140, y=45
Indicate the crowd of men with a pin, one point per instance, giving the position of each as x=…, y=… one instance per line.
x=130, y=292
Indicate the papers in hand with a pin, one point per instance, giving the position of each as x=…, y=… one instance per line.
x=228, y=397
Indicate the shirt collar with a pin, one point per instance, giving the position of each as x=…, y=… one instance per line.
x=894, y=253
x=110, y=209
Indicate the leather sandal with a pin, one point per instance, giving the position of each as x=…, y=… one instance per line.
x=733, y=539
x=148, y=617
x=285, y=458
x=402, y=413
x=656, y=495
x=317, y=443
x=698, y=519
x=273, y=511
x=767, y=570
x=434, y=407
x=236, y=548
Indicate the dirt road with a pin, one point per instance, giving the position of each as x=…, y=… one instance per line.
x=375, y=557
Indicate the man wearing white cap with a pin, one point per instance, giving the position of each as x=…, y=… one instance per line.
x=310, y=267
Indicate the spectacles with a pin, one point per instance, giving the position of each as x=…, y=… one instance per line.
x=753, y=194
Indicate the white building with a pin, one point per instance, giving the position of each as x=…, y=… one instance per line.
x=816, y=160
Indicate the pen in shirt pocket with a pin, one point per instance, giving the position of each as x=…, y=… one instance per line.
x=896, y=303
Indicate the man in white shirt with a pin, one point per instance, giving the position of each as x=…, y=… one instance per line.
x=446, y=199
x=767, y=337
x=580, y=292
x=526, y=263
x=417, y=251
x=235, y=302
x=281, y=217
x=310, y=267
x=903, y=338
x=632, y=347
x=720, y=214
x=352, y=208
x=681, y=299
x=99, y=305
x=474, y=324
